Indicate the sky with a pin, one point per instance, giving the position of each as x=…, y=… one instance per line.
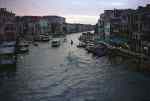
x=75, y=11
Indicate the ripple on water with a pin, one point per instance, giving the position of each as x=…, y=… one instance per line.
x=71, y=74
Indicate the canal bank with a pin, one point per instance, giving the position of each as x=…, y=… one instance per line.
x=67, y=73
x=102, y=47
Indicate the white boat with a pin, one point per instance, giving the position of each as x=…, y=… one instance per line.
x=44, y=38
x=55, y=43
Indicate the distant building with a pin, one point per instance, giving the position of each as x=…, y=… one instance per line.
x=70, y=28
x=73, y=28
x=7, y=25
x=30, y=27
x=56, y=23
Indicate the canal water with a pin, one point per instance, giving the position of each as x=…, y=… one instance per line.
x=71, y=74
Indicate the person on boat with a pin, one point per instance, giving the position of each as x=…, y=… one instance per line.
x=71, y=42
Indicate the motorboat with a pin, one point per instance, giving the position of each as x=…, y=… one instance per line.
x=42, y=38
x=45, y=38
x=55, y=43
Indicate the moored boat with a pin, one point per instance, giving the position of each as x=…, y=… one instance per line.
x=45, y=38
x=23, y=50
x=23, y=47
x=55, y=43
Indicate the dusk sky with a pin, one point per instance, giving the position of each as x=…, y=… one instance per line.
x=75, y=11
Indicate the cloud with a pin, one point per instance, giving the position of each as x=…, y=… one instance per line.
x=117, y=4
x=84, y=19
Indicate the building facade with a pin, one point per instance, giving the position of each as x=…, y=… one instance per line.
x=56, y=23
x=127, y=28
x=7, y=25
x=139, y=29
